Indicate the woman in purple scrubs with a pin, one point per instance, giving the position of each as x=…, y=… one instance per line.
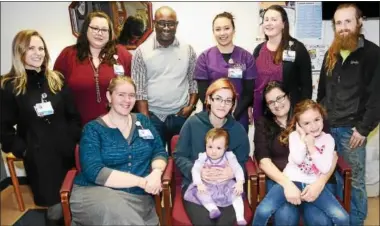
x=281, y=58
x=227, y=60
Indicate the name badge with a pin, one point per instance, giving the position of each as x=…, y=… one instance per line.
x=44, y=109
x=145, y=134
x=289, y=55
x=118, y=69
x=235, y=72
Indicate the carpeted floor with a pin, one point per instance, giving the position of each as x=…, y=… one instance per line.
x=32, y=217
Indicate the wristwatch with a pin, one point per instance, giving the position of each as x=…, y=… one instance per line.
x=194, y=106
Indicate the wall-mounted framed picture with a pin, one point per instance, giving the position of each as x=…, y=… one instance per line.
x=132, y=21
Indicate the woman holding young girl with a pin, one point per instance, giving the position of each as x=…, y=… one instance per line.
x=272, y=157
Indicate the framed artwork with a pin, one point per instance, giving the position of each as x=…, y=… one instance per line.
x=132, y=21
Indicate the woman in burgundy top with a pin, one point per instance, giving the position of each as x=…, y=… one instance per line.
x=89, y=65
x=272, y=157
x=281, y=58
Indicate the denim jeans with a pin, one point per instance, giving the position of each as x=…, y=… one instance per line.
x=167, y=129
x=326, y=202
x=356, y=159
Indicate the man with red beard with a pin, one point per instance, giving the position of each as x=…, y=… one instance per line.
x=349, y=88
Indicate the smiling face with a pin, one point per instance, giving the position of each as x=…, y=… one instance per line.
x=98, y=32
x=122, y=98
x=347, y=29
x=35, y=54
x=273, y=24
x=223, y=31
x=311, y=121
x=215, y=148
x=165, y=25
x=277, y=102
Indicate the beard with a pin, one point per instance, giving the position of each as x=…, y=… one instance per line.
x=346, y=42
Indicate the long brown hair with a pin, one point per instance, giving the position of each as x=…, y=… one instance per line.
x=331, y=58
x=17, y=75
x=299, y=109
x=83, y=46
x=284, y=44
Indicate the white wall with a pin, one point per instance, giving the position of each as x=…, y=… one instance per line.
x=52, y=20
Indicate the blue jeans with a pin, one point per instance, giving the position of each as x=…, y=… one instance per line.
x=167, y=129
x=356, y=159
x=289, y=214
x=275, y=198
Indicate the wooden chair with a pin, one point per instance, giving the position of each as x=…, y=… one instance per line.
x=175, y=213
x=68, y=184
x=343, y=169
x=16, y=186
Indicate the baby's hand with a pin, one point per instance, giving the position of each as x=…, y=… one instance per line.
x=238, y=188
x=202, y=188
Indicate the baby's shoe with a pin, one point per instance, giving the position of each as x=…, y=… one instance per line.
x=215, y=214
x=241, y=222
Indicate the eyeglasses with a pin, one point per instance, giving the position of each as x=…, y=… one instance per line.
x=219, y=100
x=279, y=100
x=163, y=23
x=97, y=30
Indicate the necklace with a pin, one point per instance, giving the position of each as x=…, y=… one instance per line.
x=96, y=76
x=280, y=124
x=126, y=124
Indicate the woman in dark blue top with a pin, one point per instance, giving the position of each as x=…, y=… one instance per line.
x=122, y=159
x=220, y=103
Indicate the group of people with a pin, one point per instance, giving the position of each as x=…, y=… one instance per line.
x=123, y=111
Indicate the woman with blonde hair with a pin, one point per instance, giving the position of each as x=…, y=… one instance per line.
x=122, y=159
x=90, y=64
x=220, y=100
x=37, y=101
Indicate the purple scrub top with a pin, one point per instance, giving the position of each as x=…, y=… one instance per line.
x=212, y=66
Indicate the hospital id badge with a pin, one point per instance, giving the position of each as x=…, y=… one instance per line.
x=235, y=72
x=289, y=55
x=145, y=134
x=118, y=69
x=44, y=109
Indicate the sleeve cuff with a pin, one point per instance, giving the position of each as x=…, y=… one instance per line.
x=103, y=176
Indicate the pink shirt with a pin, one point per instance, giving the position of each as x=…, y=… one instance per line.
x=306, y=168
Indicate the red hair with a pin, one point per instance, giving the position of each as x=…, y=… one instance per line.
x=222, y=83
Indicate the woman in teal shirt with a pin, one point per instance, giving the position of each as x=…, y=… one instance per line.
x=122, y=159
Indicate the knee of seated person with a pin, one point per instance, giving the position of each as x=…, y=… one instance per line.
x=287, y=214
x=264, y=210
x=116, y=208
x=342, y=217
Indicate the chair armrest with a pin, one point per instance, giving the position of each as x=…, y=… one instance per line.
x=68, y=181
x=166, y=196
x=251, y=169
x=168, y=173
x=65, y=191
x=261, y=180
x=342, y=166
x=253, y=186
x=346, y=172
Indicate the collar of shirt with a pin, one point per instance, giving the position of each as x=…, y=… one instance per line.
x=157, y=45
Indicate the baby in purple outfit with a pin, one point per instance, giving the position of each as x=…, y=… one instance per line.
x=214, y=194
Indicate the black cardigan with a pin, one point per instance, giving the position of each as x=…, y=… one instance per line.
x=297, y=78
